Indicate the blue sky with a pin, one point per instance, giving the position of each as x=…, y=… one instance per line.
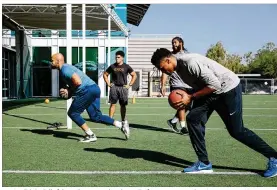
x=241, y=28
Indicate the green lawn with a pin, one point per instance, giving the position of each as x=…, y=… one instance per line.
x=29, y=146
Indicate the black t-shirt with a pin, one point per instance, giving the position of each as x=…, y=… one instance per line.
x=119, y=73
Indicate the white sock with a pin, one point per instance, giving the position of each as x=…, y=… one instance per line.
x=183, y=123
x=174, y=120
x=118, y=124
x=89, y=132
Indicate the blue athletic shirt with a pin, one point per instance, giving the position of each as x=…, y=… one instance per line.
x=66, y=73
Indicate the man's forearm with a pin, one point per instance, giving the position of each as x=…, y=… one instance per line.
x=133, y=80
x=163, y=79
x=106, y=80
x=203, y=92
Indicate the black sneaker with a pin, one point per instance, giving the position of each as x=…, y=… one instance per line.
x=173, y=126
x=184, y=131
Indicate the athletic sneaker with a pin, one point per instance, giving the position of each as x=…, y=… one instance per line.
x=199, y=167
x=271, y=168
x=89, y=138
x=173, y=126
x=125, y=129
x=184, y=131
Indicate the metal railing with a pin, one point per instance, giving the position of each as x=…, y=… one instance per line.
x=249, y=86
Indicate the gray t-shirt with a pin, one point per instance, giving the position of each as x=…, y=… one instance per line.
x=199, y=71
x=175, y=81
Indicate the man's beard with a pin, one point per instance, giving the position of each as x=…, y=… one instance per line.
x=177, y=50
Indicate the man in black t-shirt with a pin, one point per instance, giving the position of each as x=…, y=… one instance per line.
x=118, y=85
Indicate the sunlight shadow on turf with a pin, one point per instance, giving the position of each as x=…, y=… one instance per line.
x=64, y=134
x=147, y=127
x=55, y=133
x=159, y=157
x=50, y=107
x=15, y=104
x=139, y=126
x=21, y=117
x=145, y=154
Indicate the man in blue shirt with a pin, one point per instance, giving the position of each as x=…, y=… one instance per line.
x=87, y=97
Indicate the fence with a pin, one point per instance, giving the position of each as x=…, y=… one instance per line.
x=259, y=86
x=249, y=85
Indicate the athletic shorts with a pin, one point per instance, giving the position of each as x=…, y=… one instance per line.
x=118, y=93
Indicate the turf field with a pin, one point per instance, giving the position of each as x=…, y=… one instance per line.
x=153, y=156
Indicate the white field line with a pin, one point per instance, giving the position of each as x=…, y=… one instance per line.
x=121, y=172
x=143, y=114
x=114, y=128
x=130, y=107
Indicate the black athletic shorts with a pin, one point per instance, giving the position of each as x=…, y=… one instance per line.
x=118, y=93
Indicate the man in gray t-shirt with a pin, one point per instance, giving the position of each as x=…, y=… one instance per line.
x=216, y=88
x=175, y=83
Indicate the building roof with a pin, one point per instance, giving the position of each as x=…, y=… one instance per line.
x=53, y=16
x=136, y=12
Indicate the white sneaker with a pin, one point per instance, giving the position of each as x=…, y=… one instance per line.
x=125, y=129
x=89, y=138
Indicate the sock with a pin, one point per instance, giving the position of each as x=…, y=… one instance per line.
x=89, y=132
x=206, y=162
x=174, y=120
x=183, y=123
x=118, y=124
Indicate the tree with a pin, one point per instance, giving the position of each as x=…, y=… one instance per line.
x=248, y=57
x=233, y=62
x=265, y=61
x=217, y=52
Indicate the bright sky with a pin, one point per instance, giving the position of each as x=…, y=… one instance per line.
x=241, y=28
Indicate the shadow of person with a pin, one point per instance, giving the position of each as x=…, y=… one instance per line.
x=64, y=134
x=159, y=157
x=139, y=126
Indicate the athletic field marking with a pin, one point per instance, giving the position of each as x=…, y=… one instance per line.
x=130, y=107
x=39, y=128
x=121, y=172
x=136, y=114
x=114, y=128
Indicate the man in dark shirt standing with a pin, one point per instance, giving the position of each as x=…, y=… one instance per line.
x=118, y=85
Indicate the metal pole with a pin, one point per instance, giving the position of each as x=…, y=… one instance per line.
x=68, y=52
x=84, y=36
x=126, y=49
x=109, y=42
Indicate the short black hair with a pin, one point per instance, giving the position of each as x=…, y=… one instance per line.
x=121, y=53
x=158, y=55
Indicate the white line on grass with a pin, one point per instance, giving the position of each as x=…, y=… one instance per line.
x=136, y=114
x=120, y=172
x=104, y=128
x=114, y=128
x=154, y=107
